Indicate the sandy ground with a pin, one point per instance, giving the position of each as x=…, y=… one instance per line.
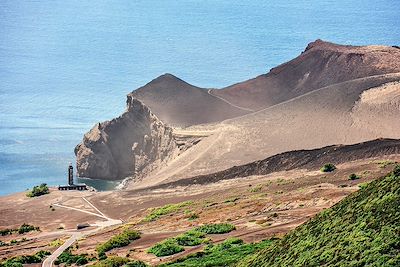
x=259, y=206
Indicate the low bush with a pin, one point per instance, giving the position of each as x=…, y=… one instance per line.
x=166, y=248
x=68, y=258
x=25, y=259
x=136, y=264
x=354, y=176
x=164, y=210
x=38, y=190
x=120, y=240
x=329, y=167
x=111, y=262
x=226, y=253
x=190, y=238
x=219, y=228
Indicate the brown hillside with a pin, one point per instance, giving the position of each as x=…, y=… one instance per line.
x=321, y=64
x=181, y=104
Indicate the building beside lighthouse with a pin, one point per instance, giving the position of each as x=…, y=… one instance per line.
x=71, y=185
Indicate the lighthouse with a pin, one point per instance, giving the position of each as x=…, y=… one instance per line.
x=71, y=185
x=70, y=174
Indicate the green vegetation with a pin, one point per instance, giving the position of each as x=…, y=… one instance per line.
x=224, y=254
x=329, y=167
x=361, y=230
x=255, y=189
x=164, y=210
x=117, y=241
x=193, y=237
x=193, y=217
x=354, y=176
x=38, y=190
x=25, y=259
x=24, y=228
x=68, y=258
x=232, y=200
x=219, y=228
x=166, y=248
x=384, y=163
x=112, y=262
x=136, y=264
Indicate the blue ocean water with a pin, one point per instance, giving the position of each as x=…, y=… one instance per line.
x=65, y=65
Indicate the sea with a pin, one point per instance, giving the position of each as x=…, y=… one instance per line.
x=66, y=65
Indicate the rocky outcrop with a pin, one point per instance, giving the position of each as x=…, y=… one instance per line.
x=133, y=143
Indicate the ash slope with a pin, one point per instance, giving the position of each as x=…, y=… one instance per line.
x=346, y=113
x=181, y=104
x=311, y=159
x=321, y=64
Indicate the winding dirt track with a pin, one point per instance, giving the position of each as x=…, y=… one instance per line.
x=48, y=262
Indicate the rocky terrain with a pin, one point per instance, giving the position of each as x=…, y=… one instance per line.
x=126, y=145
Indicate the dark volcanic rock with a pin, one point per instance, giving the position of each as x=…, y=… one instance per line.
x=132, y=143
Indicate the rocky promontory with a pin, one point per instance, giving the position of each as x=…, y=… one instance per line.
x=132, y=143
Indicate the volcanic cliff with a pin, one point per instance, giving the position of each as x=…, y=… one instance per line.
x=126, y=145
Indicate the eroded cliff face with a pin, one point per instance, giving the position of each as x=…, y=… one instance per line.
x=133, y=143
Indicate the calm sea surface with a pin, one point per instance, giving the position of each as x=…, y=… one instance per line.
x=65, y=65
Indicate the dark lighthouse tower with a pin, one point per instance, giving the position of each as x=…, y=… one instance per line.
x=70, y=174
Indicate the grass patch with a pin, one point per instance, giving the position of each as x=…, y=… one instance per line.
x=164, y=210
x=38, y=190
x=25, y=259
x=384, y=163
x=193, y=217
x=354, y=176
x=68, y=258
x=121, y=240
x=24, y=228
x=166, y=248
x=329, y=167
x=224, y=254
x=112, y=262
x=193, y=237
x=219, y=228
x=255, y=189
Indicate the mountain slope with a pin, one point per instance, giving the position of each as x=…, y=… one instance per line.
x=181, y=104
x=321, y=64
x=361, y=230
x=339, y=114
x=311, y=159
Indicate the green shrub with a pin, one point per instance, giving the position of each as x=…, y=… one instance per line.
x=224, y=254
x=25, y=259
x=219, y=228
x=136, y=264
x=166, y=248
x=38, y=191
x=120, y=240
x=354, y=176
x=111, y=262
x=25, y=228
x=190, y=238
x=164, y=210
x=329, y=167
x=193, y=216
x=68, y=258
